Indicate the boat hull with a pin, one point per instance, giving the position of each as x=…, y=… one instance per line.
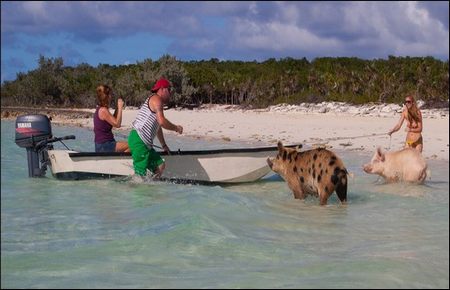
x=211, y=166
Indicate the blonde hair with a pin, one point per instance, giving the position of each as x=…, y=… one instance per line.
x=103, y=93
x=413, y=111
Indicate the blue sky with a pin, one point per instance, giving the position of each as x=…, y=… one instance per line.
x=126, y=32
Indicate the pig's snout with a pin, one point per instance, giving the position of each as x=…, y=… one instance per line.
x=367, y=168
x=269, y=162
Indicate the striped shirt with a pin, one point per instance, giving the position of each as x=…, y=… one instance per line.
x=146, y=124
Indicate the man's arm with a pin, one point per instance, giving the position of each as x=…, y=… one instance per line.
x=157, y=106
x=160, y=136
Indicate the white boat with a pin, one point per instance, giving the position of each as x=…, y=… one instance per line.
x=208, y=166
x=33, y=132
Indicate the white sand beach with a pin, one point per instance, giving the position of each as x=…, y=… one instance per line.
x=358, y=129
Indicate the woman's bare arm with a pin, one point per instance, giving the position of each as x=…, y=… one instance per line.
x=105, y=115
x=399, y=124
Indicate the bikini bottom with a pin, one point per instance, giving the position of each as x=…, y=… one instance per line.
x=414, y=144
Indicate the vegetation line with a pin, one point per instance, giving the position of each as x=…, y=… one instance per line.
x=252, y=84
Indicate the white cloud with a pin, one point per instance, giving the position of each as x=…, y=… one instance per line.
x=35, y=9
x=277, y=36
x=366, y=29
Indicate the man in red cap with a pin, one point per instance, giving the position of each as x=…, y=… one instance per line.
x=149, y=123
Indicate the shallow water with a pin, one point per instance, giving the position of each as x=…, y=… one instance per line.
x=115, y=234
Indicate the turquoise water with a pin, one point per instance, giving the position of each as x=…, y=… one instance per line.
x=111, y=234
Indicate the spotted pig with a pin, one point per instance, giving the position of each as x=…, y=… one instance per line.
x=317, y=172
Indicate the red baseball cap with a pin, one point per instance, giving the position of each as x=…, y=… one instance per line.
x=161, y=83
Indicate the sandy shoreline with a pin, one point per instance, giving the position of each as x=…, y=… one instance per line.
x=341, y=131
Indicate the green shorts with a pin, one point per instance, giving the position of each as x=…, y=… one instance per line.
x=143, y=157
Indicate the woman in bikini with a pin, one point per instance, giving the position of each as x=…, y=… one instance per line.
x=413, y=117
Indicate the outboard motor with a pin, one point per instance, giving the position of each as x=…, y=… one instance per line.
x=34, y=132
x=30, y=130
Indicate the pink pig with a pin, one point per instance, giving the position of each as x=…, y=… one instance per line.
x=403, y=165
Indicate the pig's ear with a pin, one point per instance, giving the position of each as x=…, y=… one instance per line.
x=280, y=146
x=380, y=154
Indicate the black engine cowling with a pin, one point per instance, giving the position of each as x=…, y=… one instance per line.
x=31, y=129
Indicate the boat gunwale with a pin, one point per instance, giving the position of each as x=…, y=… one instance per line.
x=179, y=152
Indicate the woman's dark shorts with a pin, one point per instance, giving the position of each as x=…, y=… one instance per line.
x=109, y=146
